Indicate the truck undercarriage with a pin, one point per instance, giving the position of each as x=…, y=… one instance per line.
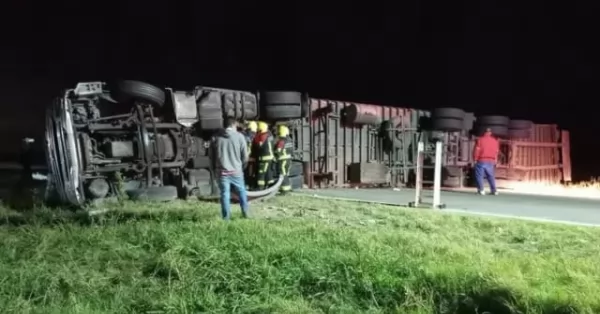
x=140, y=140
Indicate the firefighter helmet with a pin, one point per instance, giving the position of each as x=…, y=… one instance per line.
x=283, y=131
x=262, y=127
x=252, y=126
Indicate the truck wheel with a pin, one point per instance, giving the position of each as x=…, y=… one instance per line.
x=493, y=120
x=281, y=105
x=520, y=124
x=296, y=169
x=520, y=134
x=452, y=171
x=448, y=124
x=305, y=105
x=497, y=130
x=156, y=193
x=468, y=121
x=204, y=189
x=297, y=182
x=128, y=91
x=448, y=113
x=451, y=182
x=448, y=119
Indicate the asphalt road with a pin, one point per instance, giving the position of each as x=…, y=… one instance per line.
x=542, y=208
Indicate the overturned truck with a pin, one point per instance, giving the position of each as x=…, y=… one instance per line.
x=151, y=142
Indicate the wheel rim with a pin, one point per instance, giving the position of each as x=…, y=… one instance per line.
x=61, y=155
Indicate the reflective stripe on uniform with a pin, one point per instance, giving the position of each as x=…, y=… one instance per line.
x=286, y=151
x=283, y=167
x=269, y=155
x=264, y=168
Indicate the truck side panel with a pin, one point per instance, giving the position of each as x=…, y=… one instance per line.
x=535, y=159
x=333, y=149
x=331, y=146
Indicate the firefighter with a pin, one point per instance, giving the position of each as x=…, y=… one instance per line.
x=273, y=174
x=262, y=152
x=250, y=132
x=249, y=172
x=283, y=153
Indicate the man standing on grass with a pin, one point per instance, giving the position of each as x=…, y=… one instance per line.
x=230, y=155
x=485, y=155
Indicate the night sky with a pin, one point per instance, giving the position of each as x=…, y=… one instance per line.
x=526, y=59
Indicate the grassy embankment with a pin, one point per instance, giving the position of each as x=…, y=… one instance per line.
x=298, y=255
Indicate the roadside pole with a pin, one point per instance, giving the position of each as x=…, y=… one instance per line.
x=420, y=193
x=437, y=175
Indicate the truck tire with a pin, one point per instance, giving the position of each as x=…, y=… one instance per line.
x=281, y=105
x=128, y=91
x=468, y=121
x=493, y=120
x=520, y=134
x=448, y=113
x=452, y=171
x=497, y=130
x=447, y=124
x=305, y=105
x=520, y=124
x=451, y=182
x=297, y=182
x=156, y=193
x=296, y=169
x=204, y=189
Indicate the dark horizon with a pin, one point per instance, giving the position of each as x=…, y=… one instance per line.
x=535, y=61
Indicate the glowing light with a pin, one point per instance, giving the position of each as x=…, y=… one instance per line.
x=574, y=190
x=588, y=189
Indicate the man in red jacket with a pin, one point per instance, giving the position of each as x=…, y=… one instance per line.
x=485, y=155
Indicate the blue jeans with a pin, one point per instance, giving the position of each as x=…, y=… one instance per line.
x=485, y=168
x=225, y=184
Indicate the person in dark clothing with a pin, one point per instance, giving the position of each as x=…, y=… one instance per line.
x=230, y=155
x=485, y=155
x=262, y=152
x=250, y=132
x=250, y=170
x=283, y=153
x=27, y=157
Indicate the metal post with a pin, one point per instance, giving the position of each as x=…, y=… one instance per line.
x=437, y=175
x=419, y=173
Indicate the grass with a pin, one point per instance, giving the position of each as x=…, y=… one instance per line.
x=592, y=183
x=298, y=255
